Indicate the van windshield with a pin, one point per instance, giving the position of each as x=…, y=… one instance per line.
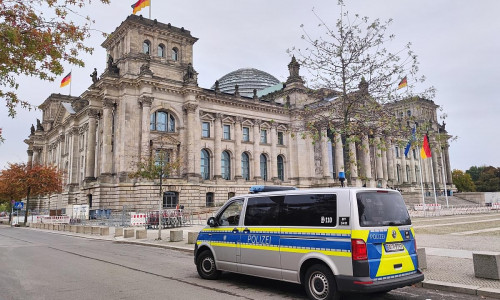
x=382, y=209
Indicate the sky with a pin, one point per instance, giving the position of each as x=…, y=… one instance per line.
x=456, y=42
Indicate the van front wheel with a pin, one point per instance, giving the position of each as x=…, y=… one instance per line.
x=320, y=284
x=205, y=264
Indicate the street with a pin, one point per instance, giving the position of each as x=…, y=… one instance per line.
x=45, y=265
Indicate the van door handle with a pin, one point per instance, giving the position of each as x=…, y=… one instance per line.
x=235, y=230
x=246, y=230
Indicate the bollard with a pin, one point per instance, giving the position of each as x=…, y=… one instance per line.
x=486, y=264
x=422, y=258
x=176, y=235
x=141, y=234
x=118, y=231
x=192, y=237
x=51, y=227
x=87, y=229
x=67, y=227
x=128, y=232
x=79, y=229
x=73, y=228
x=104, y=231
x=96, y=229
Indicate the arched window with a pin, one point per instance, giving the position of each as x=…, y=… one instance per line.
x=263, y=167
x=175, y=54
x=396, y=150
x=161, y=50
x=408, y=175
x=226, y=165
x=281, y=168
x=245, y=166
x=205, y=164
x=162, y=121
x=209, y=199
x=146, y=47
x=408, y=113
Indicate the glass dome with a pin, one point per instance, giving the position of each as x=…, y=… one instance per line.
x=247, y=80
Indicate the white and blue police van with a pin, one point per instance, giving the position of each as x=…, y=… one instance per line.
x=331, y=240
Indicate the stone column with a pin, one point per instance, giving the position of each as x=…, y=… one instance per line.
x=107, y=135
x=378, y=159
x=256, y=152
x=91, y=145
x=237, y=148
x=190, y=109
x=447, y=164
x=366, y=159
x=390, y=160
x=324, y=153
x=273, y=159
x=384, y=165
x=217, y=145
x=145, y=102
x=75, y=157
x=339, y=155
x=292, y=155
x=30, y=157
x=403, y=167
x=353, y=163
x=413, y=174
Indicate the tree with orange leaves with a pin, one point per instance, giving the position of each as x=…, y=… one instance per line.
x=36, y=38
x=22, y=180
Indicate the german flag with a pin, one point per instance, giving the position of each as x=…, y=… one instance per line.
x=140, y=5
x=403, y=83
x=66, y=80
x=425, y=152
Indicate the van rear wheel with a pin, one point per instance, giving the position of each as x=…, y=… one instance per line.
x=320, y=283
x=205, y=265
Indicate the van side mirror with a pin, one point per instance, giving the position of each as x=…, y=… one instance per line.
x=211, y=222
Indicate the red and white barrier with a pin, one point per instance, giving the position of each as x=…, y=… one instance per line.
x=55, y=220
x=427, y=207
x=137, y=219
x=495, y=206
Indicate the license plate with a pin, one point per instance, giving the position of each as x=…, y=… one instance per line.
x=394, y=247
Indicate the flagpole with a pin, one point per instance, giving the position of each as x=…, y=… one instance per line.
x=433, y=183
x=70, y=81
x=421, y=177
x=150, y=3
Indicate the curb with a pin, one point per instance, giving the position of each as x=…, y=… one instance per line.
x=461, y=288
x=182, y=249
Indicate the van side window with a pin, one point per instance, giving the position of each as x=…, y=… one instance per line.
x=262, y=211
x=310, y=210
x=231, y=215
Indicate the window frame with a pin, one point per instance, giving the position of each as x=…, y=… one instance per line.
x=281, y=172
x=226, y=134
x=160, y=50
x=245, y=166
x=263, y=136
x=281, y=138
x=225, y=165
x=148, y=44
x=169, y=125
x=205, y=132
x=205, y=167
x=263, y=167
x=174, y=55
x=246, y=134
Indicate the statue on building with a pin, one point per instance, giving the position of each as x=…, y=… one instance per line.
x=236, y=90
x=190, y=75
x=294, y=68
x=112, y=67
x=39, y=126
x=254, y=93
x=217, y=88
x=94, y=76
x=32, y=129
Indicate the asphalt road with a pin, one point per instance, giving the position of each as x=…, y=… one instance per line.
x=44, y=265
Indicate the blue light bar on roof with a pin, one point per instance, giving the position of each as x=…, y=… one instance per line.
x=254, y=189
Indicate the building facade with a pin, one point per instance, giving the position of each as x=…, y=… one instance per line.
x=148, y=102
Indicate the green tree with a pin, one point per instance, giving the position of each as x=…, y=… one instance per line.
x=489, y=180
x=350, y=60
x=475, y=172
x=36, y=38
x=463, y=181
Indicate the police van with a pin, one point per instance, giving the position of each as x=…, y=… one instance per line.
x=331, y=240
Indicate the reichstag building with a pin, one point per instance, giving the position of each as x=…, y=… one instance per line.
x=221, y=140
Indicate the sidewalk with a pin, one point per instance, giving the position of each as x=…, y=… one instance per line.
x=449, y=258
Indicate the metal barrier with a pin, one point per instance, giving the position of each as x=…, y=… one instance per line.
x=452, y=211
